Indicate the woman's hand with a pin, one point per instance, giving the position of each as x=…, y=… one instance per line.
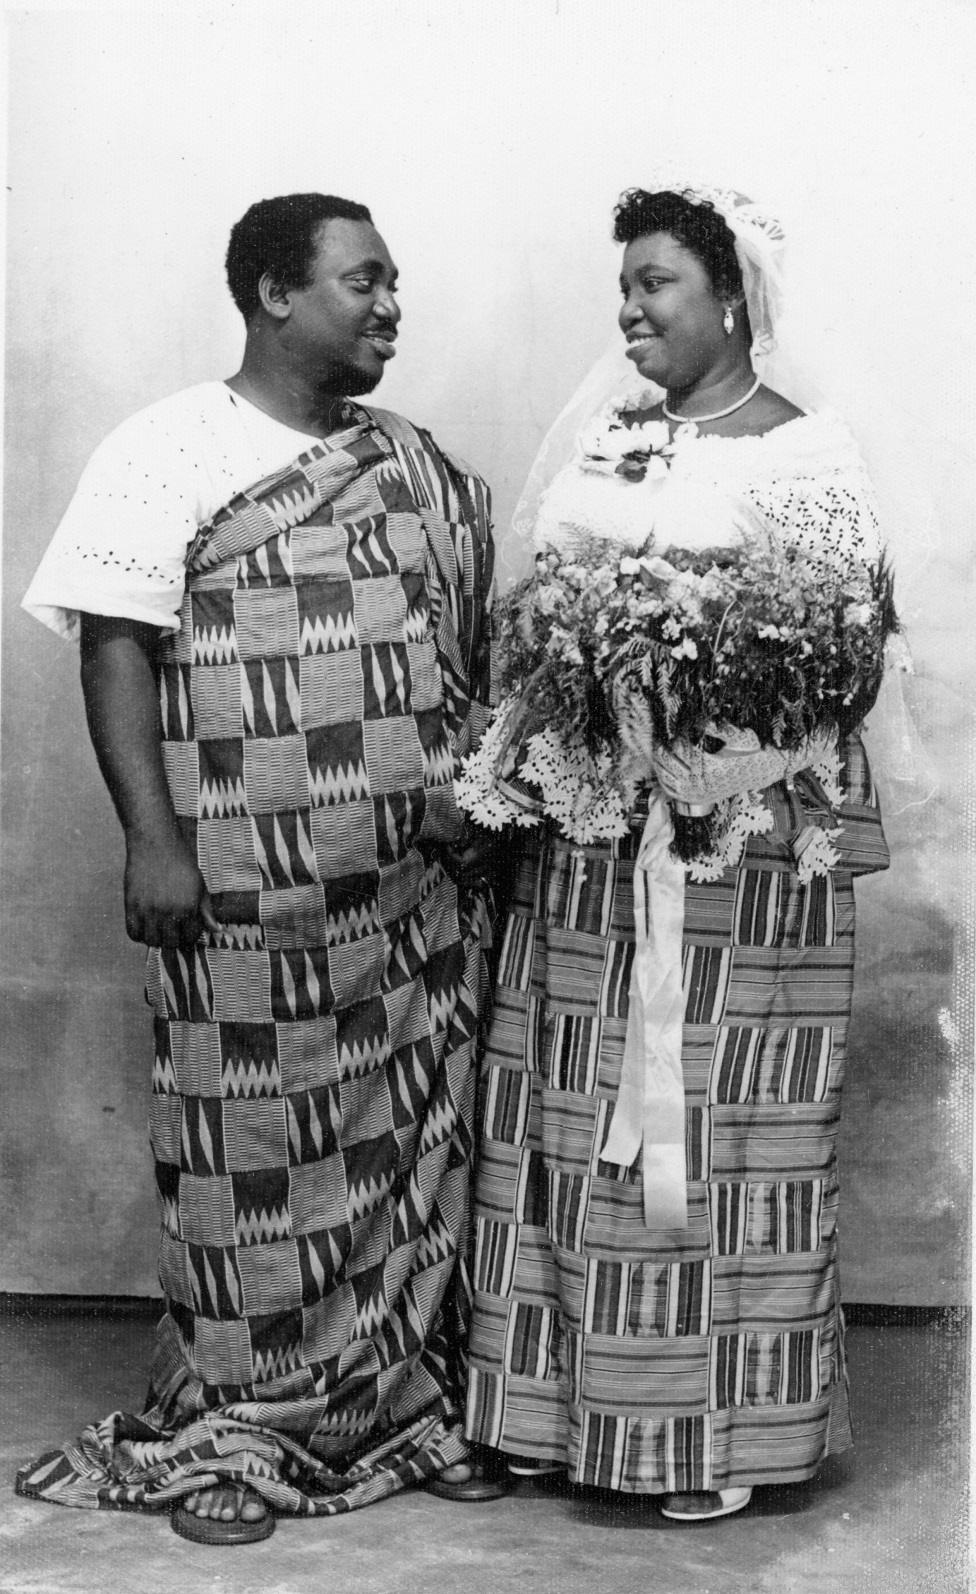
x=688, y=774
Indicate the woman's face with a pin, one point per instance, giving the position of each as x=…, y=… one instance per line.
x=671, y=315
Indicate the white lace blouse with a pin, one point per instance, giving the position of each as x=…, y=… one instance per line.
x=803, y=483
x=121, y=547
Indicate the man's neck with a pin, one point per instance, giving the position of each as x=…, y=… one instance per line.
x=287, y=395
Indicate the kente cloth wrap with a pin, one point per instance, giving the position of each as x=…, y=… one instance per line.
x=313, y=1086
x=693, y=1344
x=664, y=1359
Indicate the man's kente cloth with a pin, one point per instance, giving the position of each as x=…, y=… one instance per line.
x=313, y=1087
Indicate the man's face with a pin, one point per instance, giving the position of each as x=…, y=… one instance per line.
x=342, y=326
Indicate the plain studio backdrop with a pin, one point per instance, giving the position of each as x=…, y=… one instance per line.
x=490, y=141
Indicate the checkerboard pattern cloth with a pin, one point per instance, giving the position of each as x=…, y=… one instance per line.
x=313, y=1084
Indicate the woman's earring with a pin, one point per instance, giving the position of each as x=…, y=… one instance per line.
x=728, y=321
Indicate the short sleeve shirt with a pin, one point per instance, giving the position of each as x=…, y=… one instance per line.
x=121, y=547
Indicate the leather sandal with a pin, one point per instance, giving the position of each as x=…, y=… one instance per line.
x=487, y=1482
x=214, y=1530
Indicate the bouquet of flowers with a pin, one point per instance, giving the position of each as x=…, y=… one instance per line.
x=554, y=746
x=748, y=649
x=612, y=659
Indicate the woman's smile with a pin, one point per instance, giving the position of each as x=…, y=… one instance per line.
x=638, y=342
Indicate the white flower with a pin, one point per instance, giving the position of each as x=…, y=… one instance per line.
x=563, y=646
x=745, y=815
x=476, y=788
x=581, y=796
x=826, y=767
x=684, y=595
x=710, y=584
x=769, y=633
x=549, y=598
x=604, y=439
x=657, y=567
x=814, y=851
x=686, y=649
x=651, y=435
x=858, y=614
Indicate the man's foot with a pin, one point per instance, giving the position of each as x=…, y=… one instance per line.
x=469, y=1481
x=224, y=1514
x=705, y=1506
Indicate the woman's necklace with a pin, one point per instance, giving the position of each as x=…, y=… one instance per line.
x=717, y=415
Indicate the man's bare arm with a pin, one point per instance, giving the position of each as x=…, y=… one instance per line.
x=166, y=901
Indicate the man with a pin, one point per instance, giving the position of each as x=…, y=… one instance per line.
x=281, y=602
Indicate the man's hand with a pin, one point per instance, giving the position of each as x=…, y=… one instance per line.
x=475, y=856
x=166, y=900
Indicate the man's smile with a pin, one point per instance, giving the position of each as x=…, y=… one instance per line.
x=382, y=339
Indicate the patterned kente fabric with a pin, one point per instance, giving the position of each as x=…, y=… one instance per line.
x=656, y=1360
x=313, y=1088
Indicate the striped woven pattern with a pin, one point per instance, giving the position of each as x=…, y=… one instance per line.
x=313, y=1083
x=652, y=1360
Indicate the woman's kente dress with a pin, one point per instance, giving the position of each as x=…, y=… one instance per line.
x=648, y=1358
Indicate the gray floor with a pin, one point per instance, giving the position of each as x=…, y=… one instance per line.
x=893, y=1520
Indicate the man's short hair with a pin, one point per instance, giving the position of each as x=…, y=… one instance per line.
x=279, y=236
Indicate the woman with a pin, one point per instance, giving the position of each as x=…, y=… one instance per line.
x=660, y=1312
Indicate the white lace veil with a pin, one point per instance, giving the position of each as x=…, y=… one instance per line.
x=793, y=357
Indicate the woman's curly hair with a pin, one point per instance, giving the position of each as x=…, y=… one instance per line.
x=695, y=224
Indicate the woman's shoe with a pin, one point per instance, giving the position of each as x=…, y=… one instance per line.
x=705, y=1506
x=531, y=1467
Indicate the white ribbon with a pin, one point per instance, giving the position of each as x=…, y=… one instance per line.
x=649, y=1114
